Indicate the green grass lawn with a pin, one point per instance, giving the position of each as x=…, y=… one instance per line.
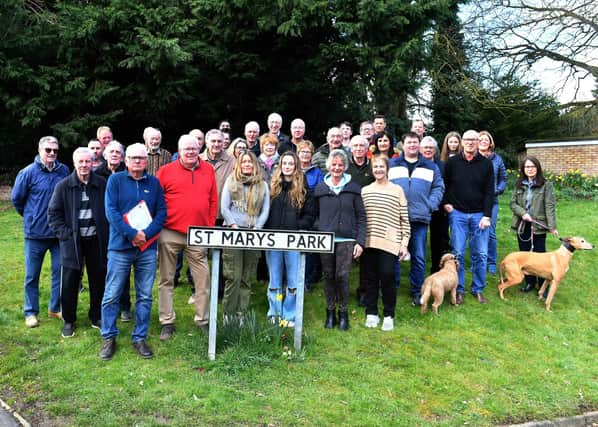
x=477, y=365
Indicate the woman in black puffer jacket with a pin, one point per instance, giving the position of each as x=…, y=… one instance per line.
x=291, y=208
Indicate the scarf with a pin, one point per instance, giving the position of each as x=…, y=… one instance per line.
x=248, y=194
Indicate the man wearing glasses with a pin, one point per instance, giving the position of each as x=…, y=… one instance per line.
x=468, y=199
x=31, y=196
x=136, y=211
x=191, y=195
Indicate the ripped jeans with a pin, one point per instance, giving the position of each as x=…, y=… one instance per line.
x=282, y=265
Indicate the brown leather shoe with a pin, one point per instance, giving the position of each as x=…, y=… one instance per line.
x=459, y=299
x=143, y=349
x=166, y=332
x=108, y=348
x=55, y=314
x=480, y=297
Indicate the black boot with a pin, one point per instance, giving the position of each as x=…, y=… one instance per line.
x=330, y=319
x=528, y=287
x=343, y=320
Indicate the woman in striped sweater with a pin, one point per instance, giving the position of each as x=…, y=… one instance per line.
x=387, y=237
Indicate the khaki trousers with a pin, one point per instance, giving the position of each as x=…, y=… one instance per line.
x=239, y=271
x=170, y=243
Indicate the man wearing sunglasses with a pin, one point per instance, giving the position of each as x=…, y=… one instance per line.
x=30, y=196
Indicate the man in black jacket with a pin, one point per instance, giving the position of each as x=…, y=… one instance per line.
x=76, y=215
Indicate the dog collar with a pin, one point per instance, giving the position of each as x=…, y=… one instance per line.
x=568, y=246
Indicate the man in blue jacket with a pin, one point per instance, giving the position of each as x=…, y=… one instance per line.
x=76, y=215
x=136, y=211
x=423, y=186
x=30, y=196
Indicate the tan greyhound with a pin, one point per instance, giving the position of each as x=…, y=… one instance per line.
x=551, y=266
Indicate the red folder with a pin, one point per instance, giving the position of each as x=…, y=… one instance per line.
x=139, y=217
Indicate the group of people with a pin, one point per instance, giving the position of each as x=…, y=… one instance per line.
x=121, y=209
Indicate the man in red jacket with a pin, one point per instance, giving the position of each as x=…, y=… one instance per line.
x=191, y=198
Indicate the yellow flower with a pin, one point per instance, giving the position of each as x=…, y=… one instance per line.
x=278, y=297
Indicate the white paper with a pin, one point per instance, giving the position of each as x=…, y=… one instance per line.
x=139, y=217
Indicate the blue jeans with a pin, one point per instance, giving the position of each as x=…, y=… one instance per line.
x=119, y=267
x=465, y=226
x=35, y=250
x=282, y=264
x=492, y=245
x=417, y=250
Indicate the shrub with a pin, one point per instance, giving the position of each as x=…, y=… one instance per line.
x=572, y=185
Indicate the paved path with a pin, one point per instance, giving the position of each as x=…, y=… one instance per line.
x=7, y=419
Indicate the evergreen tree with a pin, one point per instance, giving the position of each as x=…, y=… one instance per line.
x=453, y=85
x=67, y=67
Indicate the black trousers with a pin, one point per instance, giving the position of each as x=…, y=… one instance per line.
x=379, y=276
x=96, y=276
x=440, y=242
x=525, y=244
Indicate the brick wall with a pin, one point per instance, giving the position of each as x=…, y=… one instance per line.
x=559, y=157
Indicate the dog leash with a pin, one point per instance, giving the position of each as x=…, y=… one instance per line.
x=531, y=236
x=545, y=227
x=520, y=230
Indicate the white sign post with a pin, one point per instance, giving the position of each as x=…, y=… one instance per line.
x=218, y=238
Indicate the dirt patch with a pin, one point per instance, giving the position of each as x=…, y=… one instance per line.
x=5, y=192
x=34, y=413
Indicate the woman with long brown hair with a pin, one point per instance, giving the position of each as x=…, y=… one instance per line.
x=291, y=208
x=534, y=209
x=450, y=146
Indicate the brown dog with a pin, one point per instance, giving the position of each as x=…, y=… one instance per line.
x=551, y=266
x=440, y=282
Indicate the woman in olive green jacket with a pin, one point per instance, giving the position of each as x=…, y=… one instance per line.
x=533, y=199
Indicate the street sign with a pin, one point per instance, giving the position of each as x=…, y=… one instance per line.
x=218, y=238
x=271, y=240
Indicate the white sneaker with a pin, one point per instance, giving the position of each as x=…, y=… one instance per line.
x=31, y=321
x=388, y=324
x=191, y=299
x=371, y=321
x=284, y=323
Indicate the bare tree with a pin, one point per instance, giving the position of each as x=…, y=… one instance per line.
x=510, y=36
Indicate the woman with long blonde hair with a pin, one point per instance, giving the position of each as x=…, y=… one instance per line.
x=291, y=208
x=245, y=203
